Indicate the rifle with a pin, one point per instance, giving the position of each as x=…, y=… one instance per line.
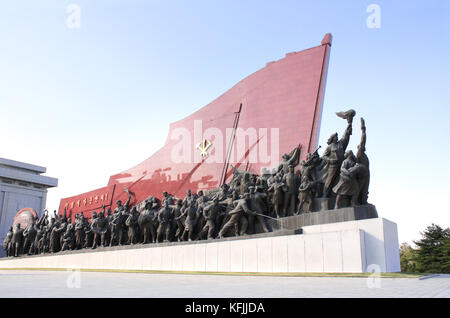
x=316, y=151
x=266, y=216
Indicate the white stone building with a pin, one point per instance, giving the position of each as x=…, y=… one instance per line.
x=21, y=186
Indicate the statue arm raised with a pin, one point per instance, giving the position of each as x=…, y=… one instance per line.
x=346, y=137
x=362, y=144
x=129, y=197
x=43, y=217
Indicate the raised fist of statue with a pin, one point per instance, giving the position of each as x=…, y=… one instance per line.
x=348, y=115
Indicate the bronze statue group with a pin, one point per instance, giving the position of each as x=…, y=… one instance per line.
x=248, y=204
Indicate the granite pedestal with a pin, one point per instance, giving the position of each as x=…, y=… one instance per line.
x=325, y=217
x=353, y=246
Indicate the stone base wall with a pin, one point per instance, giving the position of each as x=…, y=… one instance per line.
x=339, y=247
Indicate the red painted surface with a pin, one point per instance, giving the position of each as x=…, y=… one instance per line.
x=25, y=218
x=87, y=202
x=286, y=95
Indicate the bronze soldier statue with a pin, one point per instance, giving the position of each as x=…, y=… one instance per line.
x=237, y=214
x=118, y=222
x=191, y=215
x=347, y=185
x=43, y=221
x=89, y=241
x=211, y=213
x=334, y=153
x=63, y=227
x=309, y=183
x=223, y=192
x=246, y=182
x=17, y=240
x=79, y=231
x=7, y=242
x=201, y=202
x=80, y=226
x=132, y=223
x=44, y=242
x=178, y=223
x=147, y=219
x=164, y=218
x=40, y=230
x=108, y=217
x=99, y=227
x=229, y=204
x=257, y=204
x=55, y=231
x=29, y=235
x=290, y=191
x=305, y=195
x=291, y=159
x=363, y=176
x=188, y=198
x=68, y=238
x=276, y=188
x=167, y=197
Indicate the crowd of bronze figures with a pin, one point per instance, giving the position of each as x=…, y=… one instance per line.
x=243, y=206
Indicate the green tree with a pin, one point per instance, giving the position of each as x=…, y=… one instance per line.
x=433, y=252
x=407, y=258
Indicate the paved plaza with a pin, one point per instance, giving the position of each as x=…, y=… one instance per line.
x=32, y=283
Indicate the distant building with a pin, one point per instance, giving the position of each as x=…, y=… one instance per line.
x=21, y=186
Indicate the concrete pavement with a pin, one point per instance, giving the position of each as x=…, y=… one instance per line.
x=33, y=283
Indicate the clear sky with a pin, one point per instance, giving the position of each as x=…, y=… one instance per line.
x=92, y=101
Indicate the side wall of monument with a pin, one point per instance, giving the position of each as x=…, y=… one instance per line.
x=381, y=247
